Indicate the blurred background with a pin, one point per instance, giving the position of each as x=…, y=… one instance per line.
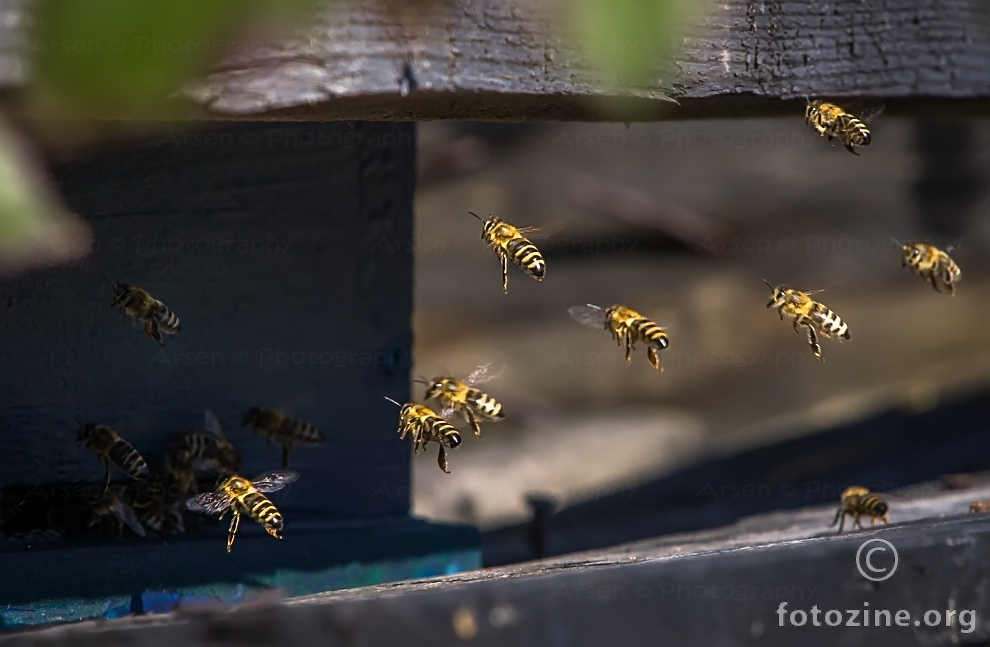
x=683, y=221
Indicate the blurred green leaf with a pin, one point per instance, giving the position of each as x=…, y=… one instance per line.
x=629, y=38
x=35, y=228
x=124, y=58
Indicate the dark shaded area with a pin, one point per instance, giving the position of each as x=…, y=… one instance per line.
x=887, y=451
x=950, y=180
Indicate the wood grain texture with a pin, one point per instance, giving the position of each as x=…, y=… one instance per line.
x=265, y=241
x=721, y=587
x=512, y=60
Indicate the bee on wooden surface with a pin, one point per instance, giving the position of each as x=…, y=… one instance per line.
x=829, y=120
x=859, y=502
x=932, y=264
x=805, y=311
x=510, y=243
x=979, y=506
x=159, y=503
x=111, y=505
x=111, y=448
x=195, y=452
x=241, y=496
x=462, y=397
x=626, y=325
x=282, y=429
x=425, y=426
x=143, y=308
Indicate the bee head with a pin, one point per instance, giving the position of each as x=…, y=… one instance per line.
x=432, y=386
x=912, y=253
x=86, y=431
x=778, y=295
x=251, y=416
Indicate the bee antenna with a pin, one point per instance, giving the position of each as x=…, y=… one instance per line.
x=112, y=284
x=897, y=241
x=768, y=284
x=392, y=401
x=476, y=216
x=421, y=380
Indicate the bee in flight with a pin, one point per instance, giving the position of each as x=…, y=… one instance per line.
x=110, y=505
x=462, y=397
x=210, y=452
x=509, y=242
x=807, y=312
x=282, y=429
x=241, y=496
x=627, y=325
x=140, y=306
x=859, y=502
x=159, y=503
x=829, y=120
x=425, y=426
x=111, y=448
x=932, y=264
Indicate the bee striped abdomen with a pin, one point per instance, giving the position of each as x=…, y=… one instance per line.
x=650, y=333
x=167, y=320
x=302, y=431
x=444, y=432
x=830, y=323
x=873, y=505
x=485, y=405
x=127, y=458
x=260, y=508
x=527, y=256
x=856, y=131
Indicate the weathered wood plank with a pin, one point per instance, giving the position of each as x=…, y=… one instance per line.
x=721, y=587
x=505, y=60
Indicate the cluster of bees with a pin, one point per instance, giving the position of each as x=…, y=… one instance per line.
x=629, y=327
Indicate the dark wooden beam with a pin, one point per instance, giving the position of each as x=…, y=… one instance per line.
x=496, y=60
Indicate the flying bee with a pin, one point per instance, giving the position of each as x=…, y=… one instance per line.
x=210, y=452
x=241, y=496
x=931, y=264
x=140, y=306
x=111, y=448
x=425, y=426
x=807, y=312
x=627, y=325
x=109, y=505
x=829, y=120
x=282, y=429
x=462, y=397
x=509, y=243
x=859, y=502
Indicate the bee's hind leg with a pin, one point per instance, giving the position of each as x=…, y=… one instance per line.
x=442, y=460
x=473, y=419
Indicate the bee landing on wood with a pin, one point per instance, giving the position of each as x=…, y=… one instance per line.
x=859, y=502
x=931, y=264
x=829, y=120
x=805, y=311
x=282, y=429
x=425, y=426
x=462, y=397
x=143, y=308
x=111, y=448
x=510, y=243
x=241, y=496
x=627, y=325
x=979, y=506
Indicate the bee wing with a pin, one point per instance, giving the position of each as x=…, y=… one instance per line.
x=126, y=514
x=588, y=315
x=272, y=481
x=447, y=411
x=868, y=111
x=541, y=232
x=210, y=503
x=481, y=376
x=212, y=424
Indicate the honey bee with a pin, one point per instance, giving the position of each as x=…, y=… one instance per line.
x=140, y=306
x=979, y=506
x=241, y=496
x=931, y=264
x=859, y=502
x=509, y=242
x=110, y=505
x=111, y=448
x=281, y=429
x=829, y=120
x=809, y=313
x=159, y=503
x=462, y=397
x=210, y=452
x=425, y=426
x=627, y=325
